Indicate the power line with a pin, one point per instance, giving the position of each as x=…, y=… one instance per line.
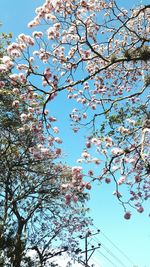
x=114, y=256
x=109, y=252
x=121, y=252
x=118, y=249
x=107, y=258
x=89, y=235
x=98, y=245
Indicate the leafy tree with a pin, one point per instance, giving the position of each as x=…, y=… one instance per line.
x=41, y=200
x=98, y=54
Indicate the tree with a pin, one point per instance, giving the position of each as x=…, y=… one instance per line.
x=41, y=199
x=98, y=54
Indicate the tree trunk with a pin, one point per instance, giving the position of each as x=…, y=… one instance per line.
x=18, y=250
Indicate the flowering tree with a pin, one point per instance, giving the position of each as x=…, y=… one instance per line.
x=98, y=54
x=41, y=200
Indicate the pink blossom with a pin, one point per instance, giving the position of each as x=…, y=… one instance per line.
x=30, y=115
x=52, y=119
x=51, y=17
x=80, y=160
x=123, y=130
x=84, y=115
x=7, y=60
x=95, y=141
x=23, y=117
x=85, y=155
x=127, y=215
x=121, y=180
x=137, y=179
x=88, y=186
x=51, y=140
x=58, y=151
x=108, y=140
x=75, y=129
x=15, y=103
x=79, y=176
x=55, y=130
x=14, y=77
x=75, y=198
x=76, y=169
x=107, y=180
x=22, y=67
x=46, y=112
x=58, y=140
x=30, y=109
x=20, y=130
x=90, y=173
x=117, y=151
x=88, y=144
x=26, y=39
x=45, y=151
x=37, y=34
x=3, y=68
x=2, y=84
x=96, y=161
x=68, y=196
x=140, y=209
x=68, y=199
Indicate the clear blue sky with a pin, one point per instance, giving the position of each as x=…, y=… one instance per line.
x=133, y=236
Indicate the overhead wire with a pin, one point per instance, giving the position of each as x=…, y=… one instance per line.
x=93, y=259
x=109, y=252
x=116, y=258
x=116, y=247
x=127, y=257
x=107, y=258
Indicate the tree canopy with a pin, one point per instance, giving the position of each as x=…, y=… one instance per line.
x=42, y=200
x=98, y=54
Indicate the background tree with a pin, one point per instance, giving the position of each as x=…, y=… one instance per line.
x=98, y=53
x=41, y=199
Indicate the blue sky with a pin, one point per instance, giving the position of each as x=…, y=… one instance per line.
x=133, y=236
